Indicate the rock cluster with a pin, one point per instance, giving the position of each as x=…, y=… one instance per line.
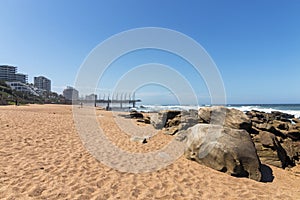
x=225, y=149
x=232, y=141
x=277, y=137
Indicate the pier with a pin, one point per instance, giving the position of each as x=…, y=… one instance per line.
x=109, y=102
x=122, y=103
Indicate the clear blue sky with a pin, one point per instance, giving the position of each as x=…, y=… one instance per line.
x=255, y=44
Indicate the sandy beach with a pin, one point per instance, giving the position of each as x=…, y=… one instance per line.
x=42, y=157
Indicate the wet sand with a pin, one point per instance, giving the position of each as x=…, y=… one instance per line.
x=42, y=157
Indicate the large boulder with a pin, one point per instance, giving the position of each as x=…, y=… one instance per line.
x=224, y=149
x=220, y=115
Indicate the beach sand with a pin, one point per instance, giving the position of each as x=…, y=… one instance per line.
x=42, y=157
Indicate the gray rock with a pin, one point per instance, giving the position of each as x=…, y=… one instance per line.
x=171, y=130
x=266, y=138
x=223, y=149
x=271, y=151
x=159, y=120
x=270, y=128
x=204, y=114
x=141, y=140
x=292, y=149
x=135, y=114
x=220, y=115
x=182, y=121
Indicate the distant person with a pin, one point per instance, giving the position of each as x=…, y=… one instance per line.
x=81, y=104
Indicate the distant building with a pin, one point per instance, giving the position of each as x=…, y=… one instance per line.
x=71, y=93
x=9, y=73
x=21, y=87
x=42, y=83
x=23, y=78
x=91, y=97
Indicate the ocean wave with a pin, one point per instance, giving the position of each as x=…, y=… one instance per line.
x=157, y=108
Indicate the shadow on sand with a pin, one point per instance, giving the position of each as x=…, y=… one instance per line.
x=266, y=174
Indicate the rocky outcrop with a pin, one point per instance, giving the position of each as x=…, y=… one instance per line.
x=224, y=149
x=173, y=121
x=276, y=135
x=220, y=115
x=277, y=138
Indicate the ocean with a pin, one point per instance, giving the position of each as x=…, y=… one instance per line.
x=293, y=109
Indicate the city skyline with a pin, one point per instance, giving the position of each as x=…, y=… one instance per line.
x=10, y=74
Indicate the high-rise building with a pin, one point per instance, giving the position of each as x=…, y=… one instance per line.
x=23, y=78
x=9, y=73
x=71, y=93
x=42, y=83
